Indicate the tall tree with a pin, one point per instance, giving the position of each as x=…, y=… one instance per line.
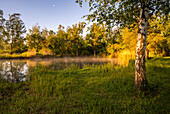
x=45, y=34
x=88, y=48
x=14, y=29
x=125, y=13
x=61, y=34
x=2, y=20
x=35, y=38
x=57, y=43
x=75, y=34
x=70, y=41
x=96, y=34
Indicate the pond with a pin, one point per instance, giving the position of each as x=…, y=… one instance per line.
x=17, y=70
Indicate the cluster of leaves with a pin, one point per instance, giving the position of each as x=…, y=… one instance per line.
x=158, y=40
x=115, y=12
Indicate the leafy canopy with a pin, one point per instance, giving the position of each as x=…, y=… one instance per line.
x=123, y=12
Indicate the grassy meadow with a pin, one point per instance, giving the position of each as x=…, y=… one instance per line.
x=98, y=89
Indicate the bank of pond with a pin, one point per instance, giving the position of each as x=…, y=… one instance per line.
x=82, y=85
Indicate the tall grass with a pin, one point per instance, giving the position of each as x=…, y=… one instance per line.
x=99, y=89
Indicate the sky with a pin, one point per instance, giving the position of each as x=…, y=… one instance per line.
x=47, y=13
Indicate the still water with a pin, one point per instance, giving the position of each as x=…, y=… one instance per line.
x=17, y=70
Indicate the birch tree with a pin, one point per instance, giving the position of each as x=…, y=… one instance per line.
x=125, y=13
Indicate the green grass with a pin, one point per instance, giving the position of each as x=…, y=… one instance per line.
x=93, y=89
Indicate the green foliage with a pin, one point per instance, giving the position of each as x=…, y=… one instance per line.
x=1, y=28
x=13, y=34
x=75, y=36
x=35, y=38
x=115, y=12
x=159, y=37
x=57, y=43
x=97, y=33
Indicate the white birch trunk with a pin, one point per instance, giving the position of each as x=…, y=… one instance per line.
x=140, y=70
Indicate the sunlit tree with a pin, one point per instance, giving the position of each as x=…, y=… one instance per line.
x=158, y=37
x=2, y=20
x=97, y=33
x=45, y=34
x=14, y=30
x=61, y=34
x=75, y=34
x=70, y=41
x=126, y=13
x=35, y=38
x=88, y=45
x=57, y=42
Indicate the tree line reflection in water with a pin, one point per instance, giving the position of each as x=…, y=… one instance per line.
x=16, y=70
x=13, y=71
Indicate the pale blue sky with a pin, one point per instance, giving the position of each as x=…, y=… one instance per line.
x=47, y=13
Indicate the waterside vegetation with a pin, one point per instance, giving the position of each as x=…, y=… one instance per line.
x=92, y=89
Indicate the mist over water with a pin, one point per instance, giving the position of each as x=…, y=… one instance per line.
x=18, y=70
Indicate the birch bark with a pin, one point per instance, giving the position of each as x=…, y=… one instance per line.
x=140, y=70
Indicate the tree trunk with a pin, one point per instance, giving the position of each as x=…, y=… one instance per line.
x=11, y=48
x=67, y=51
x=140, y=70
x=11, y=44
x=147, y=55
x=94, y=51
x=37, y=50
x=77, y=52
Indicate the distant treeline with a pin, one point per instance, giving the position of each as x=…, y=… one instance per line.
x=99, y=40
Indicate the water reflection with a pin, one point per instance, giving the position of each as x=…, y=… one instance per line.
x=17, y=70
x=13, y=71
